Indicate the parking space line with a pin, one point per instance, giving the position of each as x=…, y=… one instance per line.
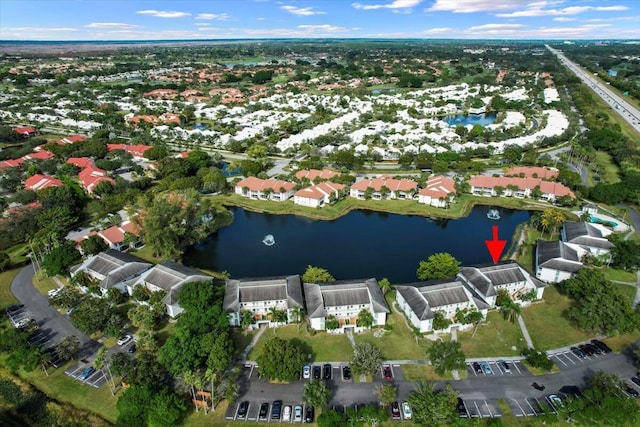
x=567, y=355
x=488, y=409
x=532, y=410
x=515, y=364
x=521, y=410
x=477, y=409
x=498, y=366
x=558, y=359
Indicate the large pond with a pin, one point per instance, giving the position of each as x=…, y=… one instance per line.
x=470, y=119
x=360, y=244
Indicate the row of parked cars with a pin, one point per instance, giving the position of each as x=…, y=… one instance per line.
x=484, y=367
x=324, y=372
x=278, y=412
x=589, y=349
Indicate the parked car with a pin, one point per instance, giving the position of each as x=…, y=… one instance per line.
x=242, y=410
x=264, y=411
x=460, y=408
x=578, y=352
x=632, y=391
x=605, y=348
x=125, y=339
x=406, y=411
x=555, y=401
x=395, y=411
x=486, y=368
x=132, y=349
x=309, y=414
x=386, y=372
x=53, y=292
x=594, y=349
x=477, y=368
x=504, y=365
x=306, y=372
x=23, y=323
x=297, y=413
x=586, y=349
x=317, y=372
x=275, y=409
x=286, y=413
x=346, y=372
x=327, y=371
x=86, y=373
x=636, y=380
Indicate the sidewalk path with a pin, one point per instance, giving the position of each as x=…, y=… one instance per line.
x=525, y=332
x=454, y=338
x=245, y=352
x=352, y=340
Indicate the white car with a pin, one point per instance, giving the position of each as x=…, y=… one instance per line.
x=297, y=413
x=24, y=322
x=306, y=372
x=286, y=413
x=54, y=292
x=125, y=339
x=406, y=411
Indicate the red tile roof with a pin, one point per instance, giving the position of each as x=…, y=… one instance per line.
x=318, y=192
x=134, y=150
x=40, y=182
x=81, y=162
x=547, y=187
x=530, y=171
x=92, y=176
x=392, y=184
x=71, y=139
x=112, y=235
x=25, y=130
x=438, y=186
x=130, y=227
x=39, y=155
x=313, y=174
x=257, y=184
x=11, y=163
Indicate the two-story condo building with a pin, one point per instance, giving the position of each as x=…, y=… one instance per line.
x=420, y=301
x=112, y=269
x=385, y=188
x=438, y=192
x=261, y=297
x=592, y=237
x=317, y=195
x=315, y=175
x=343, y=301
x=557, y=261
x=483, y=185
x=265, y=189
x=485, y=282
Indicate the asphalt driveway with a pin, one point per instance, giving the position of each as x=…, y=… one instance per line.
x=52, y=323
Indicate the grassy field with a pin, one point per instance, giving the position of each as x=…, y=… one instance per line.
x=547, y=324
x=43, y=283
x=6, y=297
x=495, y=337
x=620, y=275
x=607, y=169
x=629, y=292
x=323, y=346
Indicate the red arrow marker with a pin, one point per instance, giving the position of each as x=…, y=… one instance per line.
x=495, y=246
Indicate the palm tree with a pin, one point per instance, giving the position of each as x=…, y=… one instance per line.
x=298, y=315
x=511, y=311
x=385, y=285
x=365, y=319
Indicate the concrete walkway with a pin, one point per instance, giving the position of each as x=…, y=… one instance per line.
x=454, y=338
x=245, y=352
x=350, y=337
x=525, y=332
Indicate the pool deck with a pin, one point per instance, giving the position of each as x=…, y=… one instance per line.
x=620, y=227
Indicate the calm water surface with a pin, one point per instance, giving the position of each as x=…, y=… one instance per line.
x=470, y=119
x=360, y=244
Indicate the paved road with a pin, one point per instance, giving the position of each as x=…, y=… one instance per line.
x=627, y=111
x=50, y=320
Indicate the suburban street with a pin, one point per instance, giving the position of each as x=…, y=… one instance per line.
x=628, y=112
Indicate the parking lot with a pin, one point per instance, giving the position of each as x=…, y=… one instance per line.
x=529, y=406
x=567, y=358
x=17, y=315
x=96, y=379
x=515, y=369
x=481, y=409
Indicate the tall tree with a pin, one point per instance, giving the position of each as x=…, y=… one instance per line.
x=385, y=285
x=365, y=319
x=316, y=275
x=432, y=407
x=280, y=359
x=316, y=393
x=386, y=394
x=67, y=347
x=366, y=359
x=446, y=356
x=438, y=266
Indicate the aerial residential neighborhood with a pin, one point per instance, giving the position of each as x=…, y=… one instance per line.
x=380, y=213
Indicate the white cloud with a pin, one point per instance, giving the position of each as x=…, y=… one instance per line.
x=572, y=10
x=492, y=29
x=260, y=18
x=213, y=16
x=395, y=4
x=564, y=19
x=110, y=25
x=326, y=28
x=441, y=30
x=301, y=11
x=471, y=6
x=41, y=29
x=163, y=13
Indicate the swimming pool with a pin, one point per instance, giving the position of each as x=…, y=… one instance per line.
x=596, y=220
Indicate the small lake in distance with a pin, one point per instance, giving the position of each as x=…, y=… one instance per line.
x=361, y=244
x=470, y=119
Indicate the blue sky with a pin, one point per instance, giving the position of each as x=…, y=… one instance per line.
x=223, y=19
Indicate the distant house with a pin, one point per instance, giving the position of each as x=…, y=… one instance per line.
x=169, y=277
x=260, y=297
x=315, y=175
x=265, y=189
x=91, y=176
x=112, y=269
x=483, y=185
x=40, y=154
x=40, y=182
x=420, y=301
x=114, y=236
x=438, y=192
x=557, y=261
x=11, y=163
x=509, y=275
x=592, y=237
x=26, y=131
x=395, y=188
x=161, y=94
x=318, y=195
x=137, y=151
x=343, y=301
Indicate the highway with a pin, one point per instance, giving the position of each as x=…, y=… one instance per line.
x=625, y=110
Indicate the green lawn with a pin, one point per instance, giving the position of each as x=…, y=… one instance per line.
x=6, y=297
x=629, y=292
x=43, y=283
x=426, y=372
x=548, y=326
x=620, y=275
x=607, y=169
x=323, y=346
x=495, y=337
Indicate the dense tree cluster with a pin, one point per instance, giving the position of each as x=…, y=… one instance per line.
x=281, y=359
